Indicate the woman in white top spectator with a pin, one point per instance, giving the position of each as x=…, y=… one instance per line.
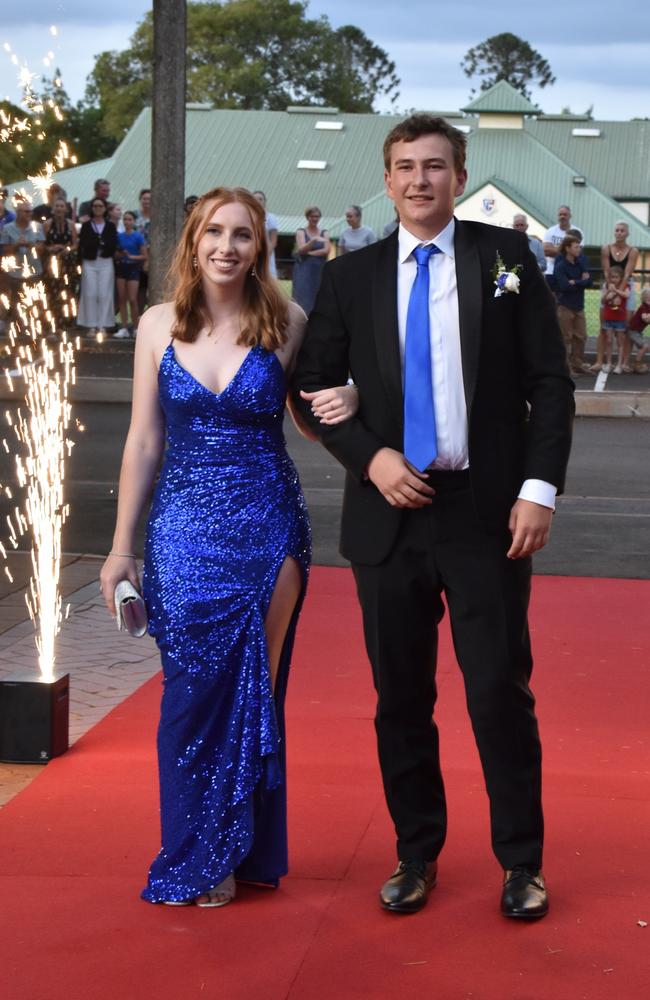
x=355, y=236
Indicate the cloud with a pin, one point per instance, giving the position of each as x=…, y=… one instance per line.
x=595, y=57
x=471, y=21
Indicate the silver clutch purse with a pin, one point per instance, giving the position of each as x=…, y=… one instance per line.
x=130, y=609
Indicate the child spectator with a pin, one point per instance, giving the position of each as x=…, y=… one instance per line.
x=571, y=278
x=129, y=260
x=615, y=298
x=637, y=324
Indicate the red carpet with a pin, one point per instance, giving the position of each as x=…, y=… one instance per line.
x=75, y=845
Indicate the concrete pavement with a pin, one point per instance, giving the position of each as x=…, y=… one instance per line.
x=105, y=665
x=103, y=375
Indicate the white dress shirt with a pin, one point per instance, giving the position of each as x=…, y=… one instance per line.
x=446, y=361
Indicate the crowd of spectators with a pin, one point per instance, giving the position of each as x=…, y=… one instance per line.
x=560, y=255
x=95, y=255
x=98, y=254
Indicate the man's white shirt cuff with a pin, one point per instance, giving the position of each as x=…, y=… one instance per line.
x=538, y=491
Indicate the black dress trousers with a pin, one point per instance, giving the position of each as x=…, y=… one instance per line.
x=441, y=550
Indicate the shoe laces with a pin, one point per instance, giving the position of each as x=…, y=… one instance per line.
x=419, y=867
x=523, y=871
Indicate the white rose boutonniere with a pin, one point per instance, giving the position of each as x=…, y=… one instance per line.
x=505, y=281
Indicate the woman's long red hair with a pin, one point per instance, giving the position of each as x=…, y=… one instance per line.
x=265, y=309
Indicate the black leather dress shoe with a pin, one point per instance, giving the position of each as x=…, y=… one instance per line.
x=524, y=894
x=407, y=889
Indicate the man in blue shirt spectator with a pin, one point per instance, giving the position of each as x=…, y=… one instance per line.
x=520, y=222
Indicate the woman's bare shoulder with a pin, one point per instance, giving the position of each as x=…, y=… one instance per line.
x=155, y=329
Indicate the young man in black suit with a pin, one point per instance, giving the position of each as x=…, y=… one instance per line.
x=453, y=463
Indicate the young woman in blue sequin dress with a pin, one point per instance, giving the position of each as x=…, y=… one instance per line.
x=227, y=548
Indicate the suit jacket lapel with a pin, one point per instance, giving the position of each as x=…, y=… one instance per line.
x=384, y=299
x=470, y=305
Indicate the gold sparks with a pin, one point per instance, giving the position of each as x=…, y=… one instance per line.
x=40, y=470
x=40, y=375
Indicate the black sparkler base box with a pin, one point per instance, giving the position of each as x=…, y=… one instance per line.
x=34, y=716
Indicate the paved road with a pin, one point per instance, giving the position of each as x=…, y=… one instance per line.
x=602, y=527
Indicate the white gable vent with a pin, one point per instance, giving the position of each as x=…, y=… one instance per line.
x=586, y=132
x=329, y=126
x=312, y=164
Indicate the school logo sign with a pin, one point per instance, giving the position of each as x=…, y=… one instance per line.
x=489, y=205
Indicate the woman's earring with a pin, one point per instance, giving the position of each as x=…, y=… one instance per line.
x=253, y=272
x=195, y=262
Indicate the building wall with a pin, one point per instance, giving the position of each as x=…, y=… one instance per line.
x=493, y=120
x=640, y=209
x=490, y=205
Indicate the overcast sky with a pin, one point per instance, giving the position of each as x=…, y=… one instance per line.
x=600, y=53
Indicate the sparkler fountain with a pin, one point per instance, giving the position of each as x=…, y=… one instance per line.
x=42, y=376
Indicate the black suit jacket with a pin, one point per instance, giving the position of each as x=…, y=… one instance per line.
x=518, y=391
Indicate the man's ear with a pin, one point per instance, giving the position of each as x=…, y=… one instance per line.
x=461, y=181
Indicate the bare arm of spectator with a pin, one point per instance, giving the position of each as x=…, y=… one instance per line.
x=550, y=249
x=325, y=249
x=303, y=243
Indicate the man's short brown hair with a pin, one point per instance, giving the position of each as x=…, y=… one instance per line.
x=424, y=124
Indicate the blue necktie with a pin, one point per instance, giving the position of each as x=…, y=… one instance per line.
x=420, y=447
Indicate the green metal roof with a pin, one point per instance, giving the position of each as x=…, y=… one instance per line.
x=262, y=149
x=502, y=98
x=545, y=181
x=616, y=161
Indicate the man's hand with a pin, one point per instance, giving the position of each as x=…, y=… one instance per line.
x=398, y=481
x=530, y=526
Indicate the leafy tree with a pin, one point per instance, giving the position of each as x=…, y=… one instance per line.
x=507, y=57
x=12, y=143
x=357, y=71
x=255, y=54
x=49, y=118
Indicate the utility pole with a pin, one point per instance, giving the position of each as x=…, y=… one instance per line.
x=167, y=139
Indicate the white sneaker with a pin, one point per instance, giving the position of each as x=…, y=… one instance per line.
x=618, y=370
x=606, y=369
x=122, y=334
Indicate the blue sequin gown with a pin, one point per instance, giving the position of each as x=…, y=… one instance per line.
x=226, y=512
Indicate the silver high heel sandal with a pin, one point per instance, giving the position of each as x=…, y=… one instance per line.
x=221, y=895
